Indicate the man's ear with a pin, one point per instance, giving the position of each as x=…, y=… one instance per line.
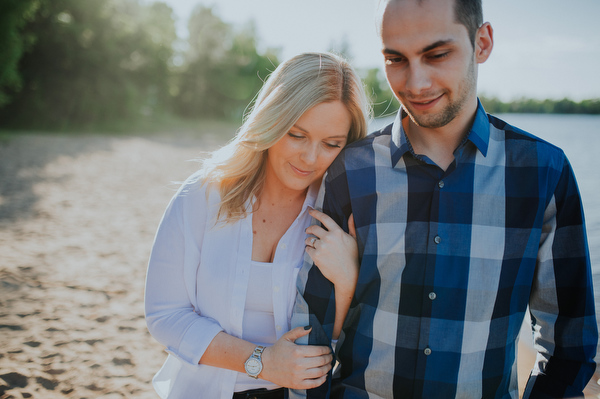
x=484, y=42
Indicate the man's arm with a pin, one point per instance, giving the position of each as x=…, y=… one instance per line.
x=562, y=299
x=315, y=301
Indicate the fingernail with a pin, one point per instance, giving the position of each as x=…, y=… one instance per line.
x=307, y=327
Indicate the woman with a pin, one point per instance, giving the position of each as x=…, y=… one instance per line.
x=221, y=278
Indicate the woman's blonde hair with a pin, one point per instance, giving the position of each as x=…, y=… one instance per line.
x=296, y=85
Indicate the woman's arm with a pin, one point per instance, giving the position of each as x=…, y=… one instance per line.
x=195, y=339
x=335, y=253
x=170, y=315
x=285, y=363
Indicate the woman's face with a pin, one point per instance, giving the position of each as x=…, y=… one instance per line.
x=302, y=156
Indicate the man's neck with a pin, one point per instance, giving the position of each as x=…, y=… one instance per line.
x=439, y=144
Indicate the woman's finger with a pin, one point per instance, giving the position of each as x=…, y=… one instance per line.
x=316, y=231
x=317, y=372
x=314, y=351
x=328, y=222
x=313, y=383
x=351, y=226
x=310, y=241
x=317, y=361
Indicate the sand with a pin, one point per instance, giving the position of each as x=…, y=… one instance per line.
x=77, y=219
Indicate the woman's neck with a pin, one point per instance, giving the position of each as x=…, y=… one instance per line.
x=274, y=212
x=279, y=195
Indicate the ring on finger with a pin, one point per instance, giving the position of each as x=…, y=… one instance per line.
x=312, y=241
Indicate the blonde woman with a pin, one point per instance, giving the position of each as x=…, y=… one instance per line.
x=221, y=278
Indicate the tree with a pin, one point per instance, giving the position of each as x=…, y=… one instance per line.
x=14, y=14
x=383, y=100
x=93, y=62
x=222, y=69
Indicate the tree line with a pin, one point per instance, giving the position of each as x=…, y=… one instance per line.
x=71, y=63
x=533, y=106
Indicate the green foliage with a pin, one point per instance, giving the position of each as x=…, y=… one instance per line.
x=222, y=70
x=92, y=62
x=533, y=106
x=73, y=64
x=383, y=100
x=14, y=14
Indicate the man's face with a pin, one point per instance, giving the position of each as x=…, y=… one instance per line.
x=430, y=62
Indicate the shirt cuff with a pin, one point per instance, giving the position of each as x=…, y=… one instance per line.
x=196, y=340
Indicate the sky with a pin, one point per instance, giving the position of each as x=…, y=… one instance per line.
x=542, y=48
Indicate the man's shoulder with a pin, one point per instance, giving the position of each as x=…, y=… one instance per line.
x=381, y=136
x=362, y=152
x=519, y=140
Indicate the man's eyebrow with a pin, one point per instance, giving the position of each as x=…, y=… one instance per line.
x=437, y=44
x=390, y=51
x=430, y=47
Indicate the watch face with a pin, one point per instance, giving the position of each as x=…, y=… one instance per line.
x=253, y=366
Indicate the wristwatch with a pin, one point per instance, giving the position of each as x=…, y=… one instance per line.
x=254, y=364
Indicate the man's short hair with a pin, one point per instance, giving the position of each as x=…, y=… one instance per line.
x=470, y=14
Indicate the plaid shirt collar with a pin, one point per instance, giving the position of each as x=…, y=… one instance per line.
x=479, y=134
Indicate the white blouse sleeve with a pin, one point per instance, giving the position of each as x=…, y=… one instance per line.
x=170, y=314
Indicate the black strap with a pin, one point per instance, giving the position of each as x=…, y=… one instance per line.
x=260, y=394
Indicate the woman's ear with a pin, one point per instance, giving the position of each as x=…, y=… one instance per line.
x=484, y=42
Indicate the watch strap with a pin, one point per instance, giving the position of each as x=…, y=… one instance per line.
x=258, y=352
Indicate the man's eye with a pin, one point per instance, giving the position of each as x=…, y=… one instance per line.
x=439, y=56
x=394, y=60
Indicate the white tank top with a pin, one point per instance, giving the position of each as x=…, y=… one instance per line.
x=259, y=323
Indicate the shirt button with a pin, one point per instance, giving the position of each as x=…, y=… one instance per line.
x=427, y=351
x=441, y=184
x=432, y=295
x=276, y=288
x=278, y=328
x=283, y=246
x=437, y=239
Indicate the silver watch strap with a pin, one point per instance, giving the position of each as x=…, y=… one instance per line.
x=258, y=351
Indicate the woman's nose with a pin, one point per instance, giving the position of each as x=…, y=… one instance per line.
x=309, y=154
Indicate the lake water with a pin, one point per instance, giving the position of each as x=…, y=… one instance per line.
x=579, y=137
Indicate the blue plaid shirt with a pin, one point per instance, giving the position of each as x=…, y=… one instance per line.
x=450, y=260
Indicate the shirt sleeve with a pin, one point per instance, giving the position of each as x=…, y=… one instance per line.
x=170, y=314
x=562, y=299
x=315, y=301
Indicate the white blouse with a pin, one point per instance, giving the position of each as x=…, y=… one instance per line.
x=196, y=286
x=259, y=323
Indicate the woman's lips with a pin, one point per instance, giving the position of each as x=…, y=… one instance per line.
x=300, y=171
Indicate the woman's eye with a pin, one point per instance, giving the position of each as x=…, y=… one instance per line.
x=332, y=145
x=295, y=136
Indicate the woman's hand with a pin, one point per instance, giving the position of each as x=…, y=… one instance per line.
x=334, y=251
x=296, y=366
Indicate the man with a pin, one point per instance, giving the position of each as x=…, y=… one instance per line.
x=462, y=222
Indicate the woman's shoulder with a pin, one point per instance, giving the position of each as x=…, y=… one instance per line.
x=196, y=188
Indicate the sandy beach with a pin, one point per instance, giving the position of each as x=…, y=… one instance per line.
x=78, y=215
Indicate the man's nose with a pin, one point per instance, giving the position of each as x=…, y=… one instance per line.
x=418, y=79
